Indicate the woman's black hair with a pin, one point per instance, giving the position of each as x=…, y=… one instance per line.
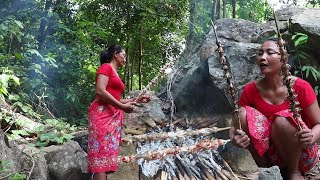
x=107, y=54
x=287, y=47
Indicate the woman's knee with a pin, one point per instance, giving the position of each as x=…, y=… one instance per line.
x=243, y=115
x=282, y=124
x=281, y=127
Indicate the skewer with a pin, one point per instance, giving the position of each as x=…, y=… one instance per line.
x=202, y=145
x=172, y=135
x=286, y=73
x=231, y=90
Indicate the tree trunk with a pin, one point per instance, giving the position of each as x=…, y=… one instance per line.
x=234, y=2
x=214, y=7
x=224, y=9
x=42, y=35
x=132, y=70
x=266, y=10
x=191, y=23
x=218, y=9
x=140, y=64
x=126, y=79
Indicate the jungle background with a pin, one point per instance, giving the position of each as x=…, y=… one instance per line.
x=49, y=52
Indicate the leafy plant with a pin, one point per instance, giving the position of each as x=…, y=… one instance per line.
x=5, y=168
x=5, y=79
x=54, y=132
x=19, y=176
x=309, y=69
x=317, y=90
x=299, y=52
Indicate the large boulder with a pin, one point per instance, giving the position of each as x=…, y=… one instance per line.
x=8, y=156
x=67, y=161
x=33, y=157
x=144, y=115
x=21, y=159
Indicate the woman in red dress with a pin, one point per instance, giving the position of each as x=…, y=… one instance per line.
x=271, y=133
x=106, y=114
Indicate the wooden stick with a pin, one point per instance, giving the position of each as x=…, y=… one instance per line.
x=164, y=175
x=202, y=145
x=181, y=169
x=205, y=171
x=286, y=73
x=177, y=134
x=227, y=74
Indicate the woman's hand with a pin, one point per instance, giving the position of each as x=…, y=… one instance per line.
x=305, y=137
x=143, y=99
x=128, y=107
x=239, y=138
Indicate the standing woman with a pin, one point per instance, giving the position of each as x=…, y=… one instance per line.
x=271, y=133
x=106, y=114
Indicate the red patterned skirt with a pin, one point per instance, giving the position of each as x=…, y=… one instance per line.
x=260, y=132
x=104, y=136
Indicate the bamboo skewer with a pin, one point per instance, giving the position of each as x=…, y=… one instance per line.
x=202, y=145
x=226, y=165
x=227, y=74
x=286, y=73
x=177, y=134
x=206, y=171
x=182, y=170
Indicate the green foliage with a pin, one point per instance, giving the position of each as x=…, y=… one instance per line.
x=299, y=48
x=299, y=53
x=314, y=72
x=313, y=3
x=317, y=90
x=5, y=168
x=19, y=176
x=5, y=83
x=54, y=132
x=255, y=10
x=299, y=39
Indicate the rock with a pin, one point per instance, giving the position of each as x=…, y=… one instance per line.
x=9, y=154
x=241, y=57
x=67, y=161
x=40, y=169
x=286, y=12
x=82, y=138
x=147, y=111
x=308, y=22
x=234, y=30
x=272, y=173
x=22, y=121
x=17, y=159
x=240, y=160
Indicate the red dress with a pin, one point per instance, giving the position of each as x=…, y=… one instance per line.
x=104, y=126
x=260, y=115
